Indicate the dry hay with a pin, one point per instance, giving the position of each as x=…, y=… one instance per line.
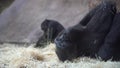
x=12, y=56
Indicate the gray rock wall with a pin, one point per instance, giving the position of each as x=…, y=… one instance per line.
x=21, y=21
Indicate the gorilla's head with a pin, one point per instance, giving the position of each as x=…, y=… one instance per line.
x=48, y=24
x=71, y=43
x=44, y=25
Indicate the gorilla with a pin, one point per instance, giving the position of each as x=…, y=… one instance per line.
x=51, y=29
x=111, y=46
x=87, y=37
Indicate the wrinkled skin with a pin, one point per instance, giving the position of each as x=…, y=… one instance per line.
x=86, y=38
x=51, y=29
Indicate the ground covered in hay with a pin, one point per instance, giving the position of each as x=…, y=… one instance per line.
x=14, y=56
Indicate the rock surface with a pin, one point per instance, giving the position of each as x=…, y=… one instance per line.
x=21, y=21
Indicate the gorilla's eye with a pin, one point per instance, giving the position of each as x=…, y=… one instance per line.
x=64, y=37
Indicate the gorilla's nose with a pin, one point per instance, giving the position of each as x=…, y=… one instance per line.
x=57, y=41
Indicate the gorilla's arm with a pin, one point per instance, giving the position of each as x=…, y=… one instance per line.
x=88, y=17
x=111, y=47
x=41, y=41
x=101, y=22
x=103, y=18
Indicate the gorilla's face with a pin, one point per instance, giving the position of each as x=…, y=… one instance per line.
x=67, y=43
x=72, y=43
x=65, y=49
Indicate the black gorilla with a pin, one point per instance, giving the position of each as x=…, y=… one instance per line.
x=86, y=38
x=51, y=29
x=111, y=47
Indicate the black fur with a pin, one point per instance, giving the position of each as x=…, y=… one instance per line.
x=86, y=38
x=111, y=47
x=51, y=29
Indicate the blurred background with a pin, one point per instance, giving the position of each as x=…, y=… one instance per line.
x=4, y=4
x=20, y=20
